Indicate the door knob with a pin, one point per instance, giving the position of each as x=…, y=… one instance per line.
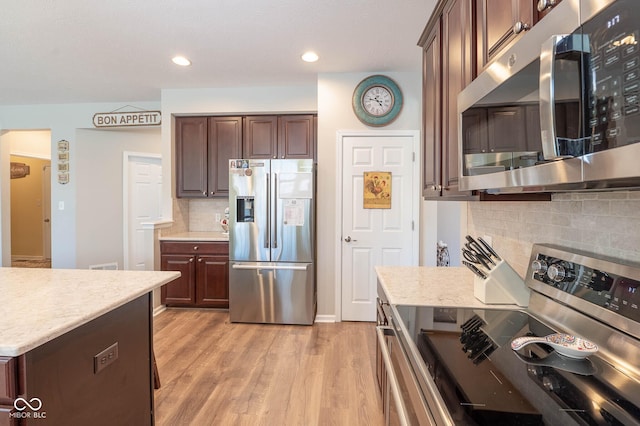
x=348, y=239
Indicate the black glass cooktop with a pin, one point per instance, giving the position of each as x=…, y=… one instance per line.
x=484, y=382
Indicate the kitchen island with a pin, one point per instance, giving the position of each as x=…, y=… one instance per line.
x=76, y=346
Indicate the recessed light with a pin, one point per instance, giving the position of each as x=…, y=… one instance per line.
x=181, y=60
x=309, y=57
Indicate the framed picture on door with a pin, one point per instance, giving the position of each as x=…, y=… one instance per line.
x=377, y=190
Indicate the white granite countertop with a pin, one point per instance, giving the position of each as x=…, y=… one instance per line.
x=38, y=305
x=438, y=287
x=196, y=236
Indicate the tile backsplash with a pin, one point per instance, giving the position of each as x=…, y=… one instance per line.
x=202, y=214
x=606, y=223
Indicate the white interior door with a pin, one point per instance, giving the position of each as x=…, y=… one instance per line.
x=144, y=205
x=376, y=236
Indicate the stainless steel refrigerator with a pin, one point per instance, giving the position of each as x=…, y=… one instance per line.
x=272, y=241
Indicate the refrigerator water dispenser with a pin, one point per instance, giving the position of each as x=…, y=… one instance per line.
x=245, y=209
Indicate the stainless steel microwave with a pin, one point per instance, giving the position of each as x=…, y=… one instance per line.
x=560, y=109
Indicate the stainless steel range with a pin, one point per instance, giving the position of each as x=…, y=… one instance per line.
x=457, y=366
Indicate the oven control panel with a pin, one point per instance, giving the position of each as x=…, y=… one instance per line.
x=613, y=292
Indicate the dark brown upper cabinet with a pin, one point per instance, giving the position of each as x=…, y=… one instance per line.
x=447, y=44
x=498, y=23
x=286, y=136
x=204, y=146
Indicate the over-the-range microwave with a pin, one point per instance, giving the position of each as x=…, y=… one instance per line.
x=560, y=109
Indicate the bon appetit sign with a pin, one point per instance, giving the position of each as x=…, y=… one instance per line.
x=127, y=119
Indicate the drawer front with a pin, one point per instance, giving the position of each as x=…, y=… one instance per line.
x=8, y=379
x=194, y=247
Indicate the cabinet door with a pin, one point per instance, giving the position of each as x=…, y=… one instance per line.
x=296, y=136
x=431, y=107
x=212, y=282
x=260, y=137
x=506, y=129
x=498, y=23
x=180, y=292
x=457, y=71
x=191, y=157
x=225, y=142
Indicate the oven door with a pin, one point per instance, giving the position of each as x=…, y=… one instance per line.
x=402, y=399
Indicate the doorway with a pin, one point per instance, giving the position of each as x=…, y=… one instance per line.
x=29, y=197
x=378, y=205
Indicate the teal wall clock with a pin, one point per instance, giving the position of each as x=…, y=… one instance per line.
x=377, y=100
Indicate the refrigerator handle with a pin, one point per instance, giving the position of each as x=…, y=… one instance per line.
x=275, y=212
x=266, y=233
x=270, y=267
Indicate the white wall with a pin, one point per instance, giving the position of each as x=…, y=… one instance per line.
x=64, y=121
x=335, y=113
x=99, y=217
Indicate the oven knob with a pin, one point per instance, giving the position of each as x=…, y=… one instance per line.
x=539, y=266
x=557, y=273
x=534, y=370
x=550, y=383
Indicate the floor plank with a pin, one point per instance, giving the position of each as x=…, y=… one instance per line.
x=217, y=373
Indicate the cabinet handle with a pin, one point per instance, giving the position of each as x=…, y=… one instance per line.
x=211, y=193
x=519, y=27
x=275, y=156
x=204, y=193
x=436, y=187
x=199, y=260
x=545, y=4
x=191, y=259
x=282, y=156
x=196, y=247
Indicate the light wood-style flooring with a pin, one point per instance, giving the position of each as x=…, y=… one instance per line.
x=214, y=372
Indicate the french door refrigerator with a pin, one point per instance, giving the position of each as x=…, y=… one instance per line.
x=272, y=241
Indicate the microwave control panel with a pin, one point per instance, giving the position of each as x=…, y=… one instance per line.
x=613, y=64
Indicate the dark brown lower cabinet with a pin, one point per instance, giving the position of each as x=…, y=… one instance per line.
x=205, y=273
x=65, y=382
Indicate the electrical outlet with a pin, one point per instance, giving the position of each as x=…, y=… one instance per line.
x=105, y=358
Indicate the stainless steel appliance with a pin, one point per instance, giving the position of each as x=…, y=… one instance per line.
x=466, y=372
x=271, y=241
x=560, y=110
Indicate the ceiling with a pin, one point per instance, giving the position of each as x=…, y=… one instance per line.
x=70, y=51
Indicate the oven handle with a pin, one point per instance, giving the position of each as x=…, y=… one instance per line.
x=391, y=376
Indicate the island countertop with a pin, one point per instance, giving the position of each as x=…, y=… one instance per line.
x=438, y=287
x=38, y=305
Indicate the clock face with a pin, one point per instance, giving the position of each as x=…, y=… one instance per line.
x=377, y=100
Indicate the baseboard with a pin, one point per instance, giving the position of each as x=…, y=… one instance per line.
x=325, y=318
x=37, y=258
x=159, y=309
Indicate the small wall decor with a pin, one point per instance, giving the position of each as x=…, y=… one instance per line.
x=63, y=162
x=377, y=190
x=377, y=100
x=19, y=170
x=119, y=118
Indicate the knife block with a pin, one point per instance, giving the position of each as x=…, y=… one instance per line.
x=503, y=286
